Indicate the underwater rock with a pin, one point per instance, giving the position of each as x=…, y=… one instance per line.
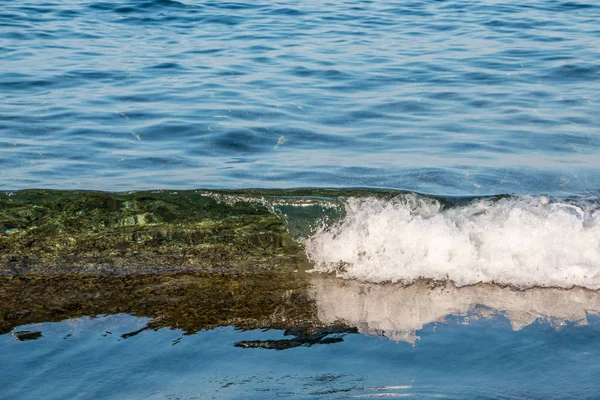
x=49, y=232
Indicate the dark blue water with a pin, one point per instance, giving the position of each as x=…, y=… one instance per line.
x=450, y=97
x=89, y=359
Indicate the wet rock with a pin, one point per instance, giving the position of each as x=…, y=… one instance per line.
x=23, y=336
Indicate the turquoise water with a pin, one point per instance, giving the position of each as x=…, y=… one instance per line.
x=443, y=97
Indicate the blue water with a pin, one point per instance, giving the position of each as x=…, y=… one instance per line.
x=89, y=359
x=445, y=97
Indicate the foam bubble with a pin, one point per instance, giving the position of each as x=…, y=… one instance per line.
x=523, y=242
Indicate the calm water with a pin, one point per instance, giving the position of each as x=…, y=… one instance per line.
x=481, y=360
x=446, y=97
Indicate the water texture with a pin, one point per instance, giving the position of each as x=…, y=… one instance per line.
x=444, y=97
x=455, y=359
x=487, y=109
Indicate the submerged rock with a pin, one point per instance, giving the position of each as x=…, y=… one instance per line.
x=52, y=232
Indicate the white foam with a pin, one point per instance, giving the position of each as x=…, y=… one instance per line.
x=522, y=242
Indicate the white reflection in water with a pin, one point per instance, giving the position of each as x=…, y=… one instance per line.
x=398, y=312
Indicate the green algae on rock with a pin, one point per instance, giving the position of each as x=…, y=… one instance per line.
x=48, y=231
x=189, y=260
x=44, y=231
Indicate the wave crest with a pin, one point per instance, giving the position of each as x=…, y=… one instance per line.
x=518, y=241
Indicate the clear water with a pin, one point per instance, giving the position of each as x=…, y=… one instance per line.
x=484, y=359
x=444, y=97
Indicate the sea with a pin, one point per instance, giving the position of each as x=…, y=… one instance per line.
x=438, y=161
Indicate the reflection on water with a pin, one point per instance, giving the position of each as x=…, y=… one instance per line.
x=310, y=308
x=398, y=312
x=190, y=336
x=88, y=358
x=301, y=337
x=190, y=302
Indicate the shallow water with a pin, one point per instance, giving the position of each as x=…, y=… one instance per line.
x=440, y=97
x=476, y=359
x=175, y=337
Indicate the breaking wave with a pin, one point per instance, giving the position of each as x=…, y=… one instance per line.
x=518, y=241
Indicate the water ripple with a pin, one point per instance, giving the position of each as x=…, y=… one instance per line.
x=446, y=97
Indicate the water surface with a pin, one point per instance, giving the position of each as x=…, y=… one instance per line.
x=444, y=97
x=478, y=359
x=449, y=98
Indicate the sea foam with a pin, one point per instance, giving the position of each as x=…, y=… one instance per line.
x=518, y=241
